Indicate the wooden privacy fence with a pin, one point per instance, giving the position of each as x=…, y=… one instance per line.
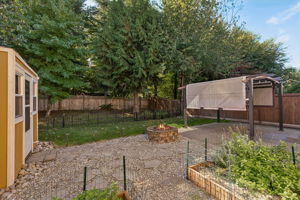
x=85, y=103
x=291, y=110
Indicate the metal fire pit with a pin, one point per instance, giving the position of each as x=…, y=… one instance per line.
x=162, y=134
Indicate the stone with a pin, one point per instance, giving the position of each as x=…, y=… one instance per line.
x=50, y=157
x=152, y=164
x=1, y=191
x=146, y=163
x=167, y=135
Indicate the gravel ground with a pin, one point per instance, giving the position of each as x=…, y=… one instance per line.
x=154, y=171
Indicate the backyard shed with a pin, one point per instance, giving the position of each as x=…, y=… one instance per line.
x=18, y=114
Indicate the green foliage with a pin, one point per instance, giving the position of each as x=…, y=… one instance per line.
x=12, y=22
x=291, y=80
x=50, y=36
x=109, y=129
x=106, y=107
x=127, y=45
x=257, y=57
x=134, y=46
x=109, y=193
x=259, y=167
x=55, y=47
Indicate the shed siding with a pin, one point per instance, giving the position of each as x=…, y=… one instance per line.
x=3, y=117
x=18, y=147
x=35, y=129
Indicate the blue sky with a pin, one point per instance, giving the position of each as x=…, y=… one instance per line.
x=278, y=19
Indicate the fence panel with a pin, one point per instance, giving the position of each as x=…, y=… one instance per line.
x=291, y=110
x=83, y=103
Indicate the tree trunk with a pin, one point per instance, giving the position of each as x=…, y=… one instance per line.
x=49, y=108
x=155, y=89
x=175, y=79
x=136, y=105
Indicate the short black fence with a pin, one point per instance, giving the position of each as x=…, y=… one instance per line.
x=137, y=172
x=71, y=119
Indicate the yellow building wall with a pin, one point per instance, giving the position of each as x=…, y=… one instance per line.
x=3, y=117
x=35, y=129
x=19, y=132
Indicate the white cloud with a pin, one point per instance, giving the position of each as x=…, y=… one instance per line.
x=273, y=20
x=285, y=15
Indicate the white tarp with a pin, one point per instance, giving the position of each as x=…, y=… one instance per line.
x=228, y=94
x=263, y=96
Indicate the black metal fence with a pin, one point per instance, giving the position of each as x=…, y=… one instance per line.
x=65, y=179
x=71, y=119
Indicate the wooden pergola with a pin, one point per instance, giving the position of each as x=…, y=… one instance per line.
x=251, y=83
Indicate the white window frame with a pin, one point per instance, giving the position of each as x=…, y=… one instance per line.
x=35, y=95
x=21, y=75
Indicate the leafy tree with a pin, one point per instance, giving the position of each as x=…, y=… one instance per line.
x=291, y=80
x=52, y=40
x=127, y=47
x=258, y=57
x=12, y=23
x=198, y=36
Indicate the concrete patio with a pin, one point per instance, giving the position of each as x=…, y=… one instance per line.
x=215, y=132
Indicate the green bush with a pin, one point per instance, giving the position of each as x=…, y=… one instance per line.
x=260, y=168
x=109, y=193
x=107, y=107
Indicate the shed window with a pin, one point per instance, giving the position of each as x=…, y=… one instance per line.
x=27, y=105
x=18, y=96
x=34, y=97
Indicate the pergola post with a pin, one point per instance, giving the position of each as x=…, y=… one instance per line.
x=280, y=106
x=250, y=109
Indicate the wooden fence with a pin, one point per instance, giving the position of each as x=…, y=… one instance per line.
x=291, y=109
x=86, y=103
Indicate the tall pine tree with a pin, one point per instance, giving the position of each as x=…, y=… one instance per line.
x=55, y=46
x=128, y=47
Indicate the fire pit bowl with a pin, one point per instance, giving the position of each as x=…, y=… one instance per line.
x=162, y=133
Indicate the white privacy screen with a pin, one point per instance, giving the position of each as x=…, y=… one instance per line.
x=228, y=94
x=263, y=96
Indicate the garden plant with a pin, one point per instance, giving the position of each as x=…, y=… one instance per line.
x=260, y=168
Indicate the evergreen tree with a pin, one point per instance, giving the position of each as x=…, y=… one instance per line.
x=54, y=46
x=127, y=47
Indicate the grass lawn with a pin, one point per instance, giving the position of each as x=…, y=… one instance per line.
x=91, y=133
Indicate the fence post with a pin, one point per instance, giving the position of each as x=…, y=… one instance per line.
x=53, y=122
x=205, y=150
x=84, y=178
x=63, y=121
x=218, y=115
x=187, y=159
x=293, y=155
x=124, y=173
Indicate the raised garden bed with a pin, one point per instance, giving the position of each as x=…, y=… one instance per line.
x=207, y=184
x=206, y=176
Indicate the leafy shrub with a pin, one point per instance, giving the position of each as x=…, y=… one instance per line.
x=106, y=107
x=109, y=193
x=258, y=167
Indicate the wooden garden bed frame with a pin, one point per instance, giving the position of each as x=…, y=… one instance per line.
x=211, y=187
